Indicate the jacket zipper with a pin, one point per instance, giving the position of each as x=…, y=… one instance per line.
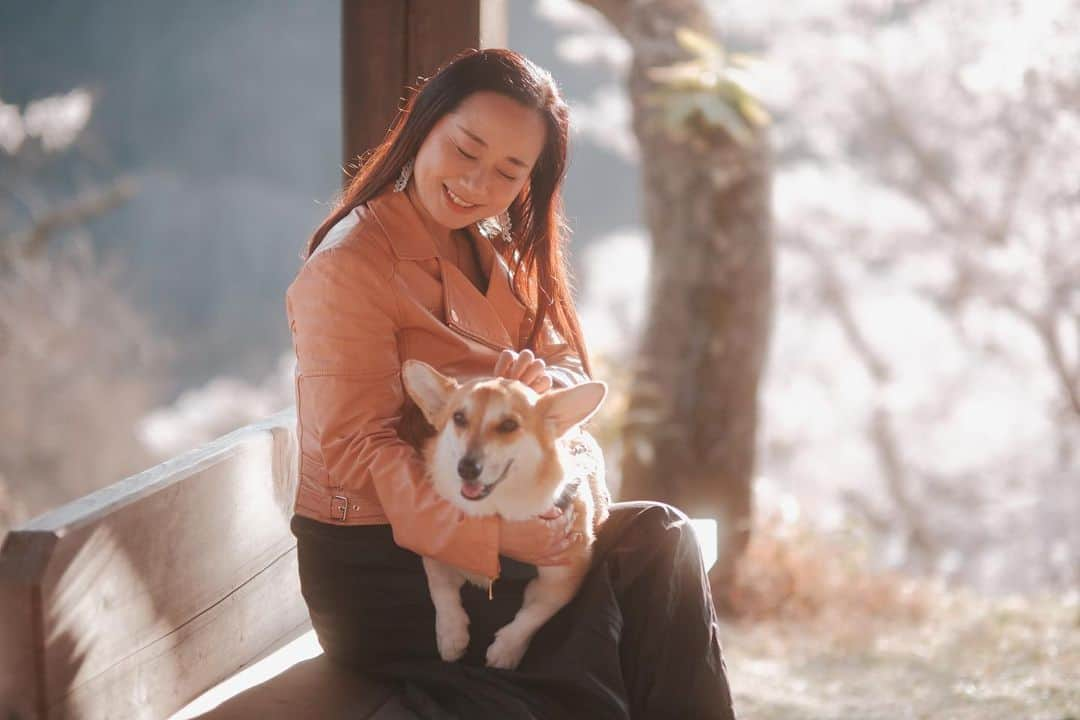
x=449, y=318
x=473, y=336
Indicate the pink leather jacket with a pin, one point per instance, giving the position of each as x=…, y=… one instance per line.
x=375, y=293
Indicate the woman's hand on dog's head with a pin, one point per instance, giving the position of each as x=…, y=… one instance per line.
x=538, y=541
x=524, y=366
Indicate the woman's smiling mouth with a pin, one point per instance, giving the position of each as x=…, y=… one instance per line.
x=457, y=201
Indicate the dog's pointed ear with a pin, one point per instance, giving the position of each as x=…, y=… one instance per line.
x=566, y=407
x=428, y=388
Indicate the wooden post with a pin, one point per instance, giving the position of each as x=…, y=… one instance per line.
x=388, y=44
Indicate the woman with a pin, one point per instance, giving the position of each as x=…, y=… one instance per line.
x=441, y=249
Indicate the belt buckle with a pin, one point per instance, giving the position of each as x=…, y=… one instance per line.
x=344, y=510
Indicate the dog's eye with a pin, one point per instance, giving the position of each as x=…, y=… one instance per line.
x=507, y=426
x=459, y=419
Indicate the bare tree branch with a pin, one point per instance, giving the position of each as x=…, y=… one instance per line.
x=86, y=205
x=835, y=296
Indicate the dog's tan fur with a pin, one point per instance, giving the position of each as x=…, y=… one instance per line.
x=524, y=469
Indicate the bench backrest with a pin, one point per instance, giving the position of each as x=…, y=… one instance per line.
x=133, y=600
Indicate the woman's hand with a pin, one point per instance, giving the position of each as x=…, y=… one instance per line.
x=524, y=366
x=543, y=540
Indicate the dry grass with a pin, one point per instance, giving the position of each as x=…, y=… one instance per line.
x=817, y=635
x=791, y=572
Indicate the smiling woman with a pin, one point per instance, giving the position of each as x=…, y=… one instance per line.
x=406, y=267
x=472, y=165
x=480, y=175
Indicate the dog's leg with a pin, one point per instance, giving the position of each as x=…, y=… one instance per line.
x=553, y=588
x=451, y=620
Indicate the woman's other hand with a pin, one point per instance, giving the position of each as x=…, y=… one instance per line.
x=524, y=366
x=543, y=540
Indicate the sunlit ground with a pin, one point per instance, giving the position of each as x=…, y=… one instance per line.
x=969, y=660
x=821, y=636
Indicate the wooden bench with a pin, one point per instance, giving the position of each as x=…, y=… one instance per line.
x=136, y=599
x=175, y=593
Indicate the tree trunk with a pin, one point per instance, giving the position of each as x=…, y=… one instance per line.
x=691, y=428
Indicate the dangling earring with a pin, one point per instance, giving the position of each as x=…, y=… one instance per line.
x=504, y=225
x=403, y=178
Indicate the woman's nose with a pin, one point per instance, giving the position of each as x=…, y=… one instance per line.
x=476, y=183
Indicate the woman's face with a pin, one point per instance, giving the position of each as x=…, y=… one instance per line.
x=482, y=153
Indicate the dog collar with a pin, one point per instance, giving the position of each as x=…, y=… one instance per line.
x=570, y=491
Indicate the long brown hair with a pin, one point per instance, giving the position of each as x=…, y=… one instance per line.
x=535, y=255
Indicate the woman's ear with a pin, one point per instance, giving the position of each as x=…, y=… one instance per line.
x=428, y=388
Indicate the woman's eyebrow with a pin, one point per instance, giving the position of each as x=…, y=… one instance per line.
x=480, y=140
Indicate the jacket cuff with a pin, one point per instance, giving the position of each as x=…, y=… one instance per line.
x=481, y=556
x=563, y=378
x=427, y=524
x=475, y=548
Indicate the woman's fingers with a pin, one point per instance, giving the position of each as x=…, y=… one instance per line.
x=559, y=525
x=525, y=367
x=531, y=372
x=562, y=540
x=542, y=384
x=551, y=513
x=511, y=364
x=521, y=364
x=566, y=550
x=506, y=358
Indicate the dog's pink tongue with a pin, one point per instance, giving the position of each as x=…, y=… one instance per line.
x=472, y=490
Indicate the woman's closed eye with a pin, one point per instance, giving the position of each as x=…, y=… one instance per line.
x=473, y=157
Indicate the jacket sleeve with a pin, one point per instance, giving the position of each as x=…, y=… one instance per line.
x=344, y=323
x=562, y=361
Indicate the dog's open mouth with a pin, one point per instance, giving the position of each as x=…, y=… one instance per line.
x=476, y=490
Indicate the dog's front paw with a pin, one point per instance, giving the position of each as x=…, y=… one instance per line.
x=452, y=636
x=508, y=649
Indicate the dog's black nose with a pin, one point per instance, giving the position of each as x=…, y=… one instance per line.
x=468, y=468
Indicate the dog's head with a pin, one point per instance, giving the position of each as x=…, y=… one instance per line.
x=496, y=447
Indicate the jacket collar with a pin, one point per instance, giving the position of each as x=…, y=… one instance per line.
x=494, y=317
x=409, y=237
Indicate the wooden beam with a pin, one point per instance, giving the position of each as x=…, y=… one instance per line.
x=387, y=45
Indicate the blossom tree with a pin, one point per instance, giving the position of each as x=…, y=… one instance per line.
x=924, y=369
x=690, y=432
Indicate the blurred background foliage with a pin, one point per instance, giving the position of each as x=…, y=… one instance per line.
x=162, y=165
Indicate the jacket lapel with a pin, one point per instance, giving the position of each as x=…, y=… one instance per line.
x=493, y=318
x=500, y=295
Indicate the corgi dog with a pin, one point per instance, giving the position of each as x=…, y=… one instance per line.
x=501, y=448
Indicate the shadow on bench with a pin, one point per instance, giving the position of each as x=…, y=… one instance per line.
x=297, y=681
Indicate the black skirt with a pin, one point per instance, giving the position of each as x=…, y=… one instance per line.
x=640, y=639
